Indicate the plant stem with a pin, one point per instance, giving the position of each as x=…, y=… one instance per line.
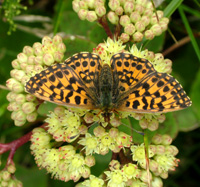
x=103, y=21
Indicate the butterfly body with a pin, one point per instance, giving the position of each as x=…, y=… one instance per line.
x=128, y=84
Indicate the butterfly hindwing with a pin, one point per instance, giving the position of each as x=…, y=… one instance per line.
x=158, y=92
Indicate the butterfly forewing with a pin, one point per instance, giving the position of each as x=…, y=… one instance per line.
x=128, y=70
x=64, y=84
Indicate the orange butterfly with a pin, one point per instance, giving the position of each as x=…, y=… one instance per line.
x=129, y=84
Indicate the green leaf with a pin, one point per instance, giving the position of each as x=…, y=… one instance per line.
x=189, y=31
x=195, y=95
x=171, y=8
x=186, y=119
x=45, y=107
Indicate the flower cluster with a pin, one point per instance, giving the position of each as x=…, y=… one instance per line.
x=137, y=17
x=32, y=60
x=11, y=9
x=7, y=177
x=161, y=158
x=63, y=163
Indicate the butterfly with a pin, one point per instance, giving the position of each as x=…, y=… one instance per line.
x=128, y=84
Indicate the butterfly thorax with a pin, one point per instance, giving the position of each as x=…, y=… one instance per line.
x=105, y=88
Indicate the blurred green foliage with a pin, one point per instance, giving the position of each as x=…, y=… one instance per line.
x=84, y=36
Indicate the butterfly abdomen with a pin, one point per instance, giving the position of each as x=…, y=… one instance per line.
x=105, y=87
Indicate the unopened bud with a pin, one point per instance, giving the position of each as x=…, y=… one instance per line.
x=91, y=16
x=125, y=37
x=113, y=4
x=124, y=20
x=100, y=11
x=137, y=36
x=113, y=18
x=22, y=58
x=129, y=29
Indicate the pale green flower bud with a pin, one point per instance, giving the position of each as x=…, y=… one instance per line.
x=15, y=106
x=145, y=20
x=157, y=30
x=28, y=107
x=149, y=5
x=90, y=161
x=57, y=39
x=58, y=56
x=124, y=20
x=83, y=5
x=23, y=65
x=129, y=29
x=159, y=14
x=144, y=176
x=11, y=96
x=12, y=73
x=27, y=50
x=163, y=25
x=135, y=17
x=124, y=37
x=61, y=47
x=30, y=97
x=38, y=51
x=31, y=60
x=114, y=165
x=59, y=111
x=82, y=13
x=91, y=3
x=99, y=131
x=141, y=2
x=140, y=26
x=166, y=139
x=165, y=20
x=98, y=3
x=5, y=175
x=75, y=6
x=25, y=79
x=143, y=123
x=89, y=117
x=38, y=60
x=38, y=68
x=157, y=139
x=153, y=165
x=46, y=40
x=32, y=117
x=113, y=18
x=119, y=11
x=154, y=20
x=22, y=58
x=18, y=87
x=157, y=181
x=19, y=123
x=29, y=68
x=148, y=12
x=13, y=115
x=91, y=16
x=113, y=4
x=113, y=132
x=139, y=8
x=37, y=44
x=100, y=11
x=171, y=149
x=11, y=168
x=128, y=7
x=85, y=172
x=48, y=59
x=20, y=98
x=20, y=116
x=160, y=149
x=15, y=64
x=149, y=35
x=161, y=118
x=153, y=125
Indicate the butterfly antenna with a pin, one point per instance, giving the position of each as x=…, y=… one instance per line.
x=72, y=137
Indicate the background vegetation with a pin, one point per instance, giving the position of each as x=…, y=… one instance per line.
x=58, y=16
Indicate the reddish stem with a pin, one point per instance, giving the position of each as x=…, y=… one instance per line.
x=103, y=21
x=13, y=146
x=117, y=31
